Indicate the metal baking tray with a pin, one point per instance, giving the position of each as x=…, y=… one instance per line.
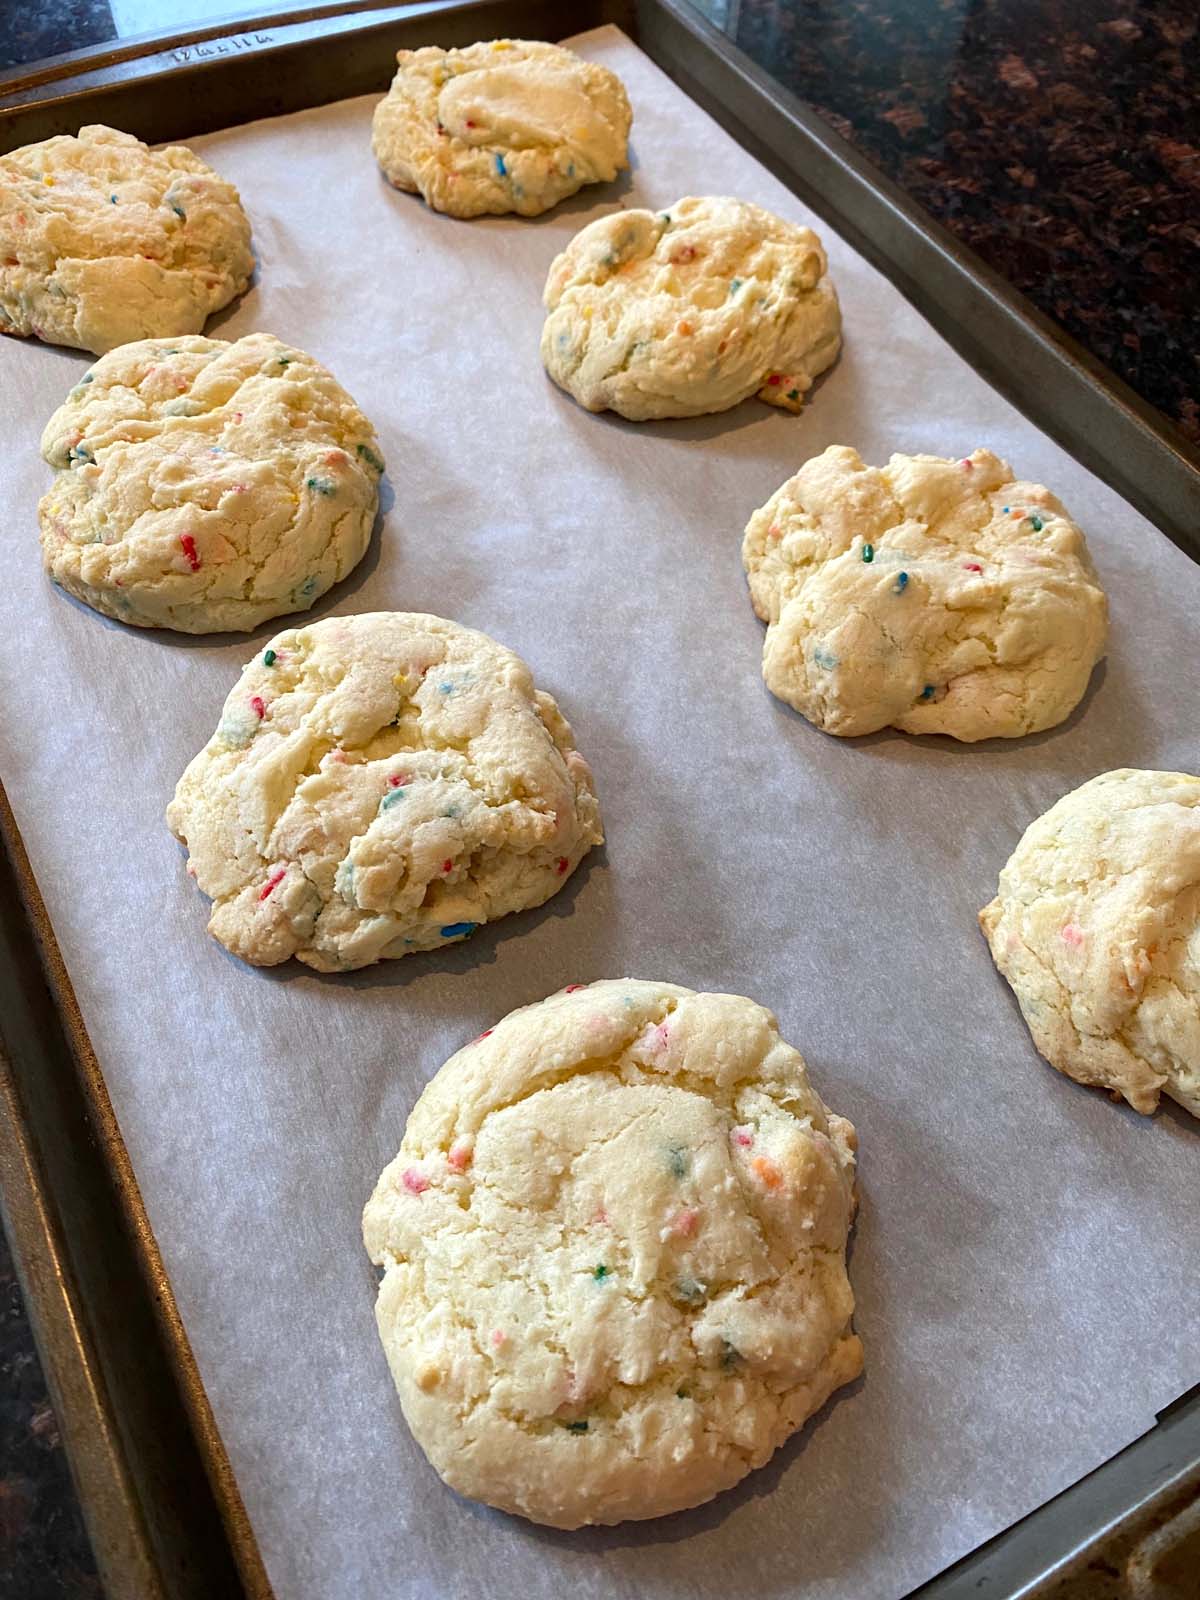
x=158, y=1494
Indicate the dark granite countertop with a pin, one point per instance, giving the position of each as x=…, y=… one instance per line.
x=1060, y=139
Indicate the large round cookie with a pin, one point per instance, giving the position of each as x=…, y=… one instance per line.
x=103, y=240
x=682, y=312
x=508, y=125
x=928, y=595
x=1096, y=924
x=613, y=1251
x=204, y=486
x=378, y=785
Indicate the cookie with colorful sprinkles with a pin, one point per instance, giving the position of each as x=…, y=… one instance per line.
x=690, y=310
x=1096, y=925
x=104, y=241
x=613, y=1251
x=929, y=595
x=502, y=126
x=206, y=486
x=380, y=785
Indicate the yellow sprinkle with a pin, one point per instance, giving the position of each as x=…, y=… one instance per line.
x=586, y=313
x=48, y=180
x=501, y=44
x=683, y=327
x=428, y=1378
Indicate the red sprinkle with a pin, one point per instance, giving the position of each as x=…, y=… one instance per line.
x=415, y=1182
x=571, y=987
x=188, y=545
x=561, y=865
x=972, y=566
x=743, y=1136
x=967, y=466
x=257, y=706
x=486, y=1034
x=276, y=877
x=684, y=1223
x=774, y=378
x=447, y=865
x=397, y=780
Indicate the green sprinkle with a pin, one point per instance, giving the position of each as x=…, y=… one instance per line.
x=179, y=211
x=682, y=1394
x=269, y=658
x=370, y=457
x=868, y=553
x=1038, y=524
x=285, y=361
x=927, y=692
x=665, y=215
x=600, y=1273
x=677, y=1161
x=321, y=485
x=576, y=1427
x=793, y=394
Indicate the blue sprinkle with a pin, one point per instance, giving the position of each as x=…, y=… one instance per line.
x=79, y=453
x=453, y=812
x=927, y=692
x=1006, y=510
x=824, y=659
x=308, y=586
x=178, y=210
x=571, y=170
x=112, y=199
x=901, y=582
x=392, y=798
x=445, y=688
x=500, y=168
x=735, y=285
x=452, y=930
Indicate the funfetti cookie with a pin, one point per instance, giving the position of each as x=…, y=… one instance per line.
x=613, y=1251
x=206, y=486
x=103, y=240
x=690, y=310
x=1096, y=925
x=929, y=595
x=506, y=125
x=379, y=785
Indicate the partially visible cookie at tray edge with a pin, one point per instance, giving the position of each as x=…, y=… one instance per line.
x=204, y=486
x=1096, y=925
x=378, y=785
x=104, y=241
x=613, y=1250
x=506, y=125
x=688, y=311
x=929, y=595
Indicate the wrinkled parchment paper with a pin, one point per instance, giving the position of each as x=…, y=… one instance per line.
x=1026, y=1258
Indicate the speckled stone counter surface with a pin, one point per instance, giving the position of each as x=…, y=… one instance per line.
x=1060, y=139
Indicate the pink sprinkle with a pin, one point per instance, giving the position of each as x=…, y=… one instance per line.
x=774, y=531
x=257, y=706
x=1072, y=936
x=447, y=865
x=338, y=755
x=414, y=1181
x=967, y=466
x=237, y=416
x=498, y=1339
x=460, y=1157
x=561, y=865
x=334, y=458
x=684, y=1223
x=276, y=877
x=571, y=987
x=397, y=780
x=686, y=252
x=972, y=566
x=188, y=545
x=744, y=1137
x=600, y=1214
x=661, y=1036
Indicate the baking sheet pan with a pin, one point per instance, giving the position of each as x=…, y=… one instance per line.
x=1011, y=1260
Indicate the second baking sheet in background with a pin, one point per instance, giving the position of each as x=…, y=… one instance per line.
x=1022, y=1245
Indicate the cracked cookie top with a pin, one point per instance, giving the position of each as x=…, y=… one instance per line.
x=613, y=1253
x=378, y=785
x=505, y=125
x=1096, y=925
x=690, y=310
x=206, y=486
x=103, y=241
x=929, y=595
